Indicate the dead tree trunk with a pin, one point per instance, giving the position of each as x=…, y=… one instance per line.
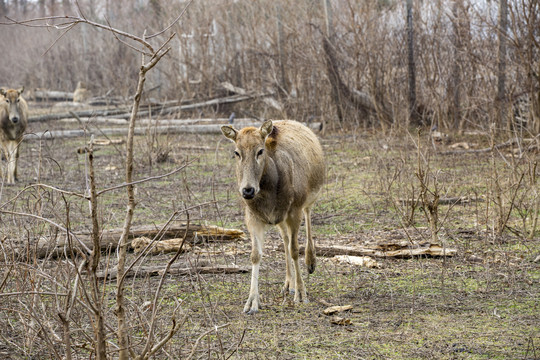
x=455, y=82
x=361, y=104
x=281, y=50
x=413, y=114
x=108, y=239
x=501, y=64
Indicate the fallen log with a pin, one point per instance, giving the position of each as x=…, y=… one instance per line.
x=268, y=100
x=428, y=249
x=172, y=129
x=218, y=101
x=158, y=247
x=156, y=111
x=155, y=122
x=480, y=151
x=81, y=114
x=124, y=112
x=143, y=271
x=49, y=95
x=361, y=261
x=109, y=238
x=337, y=309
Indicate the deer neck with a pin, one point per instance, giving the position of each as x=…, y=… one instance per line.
x=268, y=204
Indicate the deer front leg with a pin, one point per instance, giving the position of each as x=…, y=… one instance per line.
x=256, y=230
x=11, y=155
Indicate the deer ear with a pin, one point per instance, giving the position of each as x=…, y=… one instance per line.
x=2, y=91
x=20, y=91
x=266, y=128
x=229, y=132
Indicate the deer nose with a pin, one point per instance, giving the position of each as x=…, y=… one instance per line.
x=248, y=193
x=15, y=119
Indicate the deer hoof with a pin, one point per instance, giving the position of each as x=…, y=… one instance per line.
x=252, y=305
x=311, y=262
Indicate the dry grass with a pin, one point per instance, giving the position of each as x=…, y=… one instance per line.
x=481, y=304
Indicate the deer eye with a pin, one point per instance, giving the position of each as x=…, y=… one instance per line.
x=7, y=100
x=237, y=154
x=260, y=152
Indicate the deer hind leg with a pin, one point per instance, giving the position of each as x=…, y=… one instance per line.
x=311, y=260
x=289, y=286
x=3, y=156
x=16, y=161
x=256, y=231
x=293, y=222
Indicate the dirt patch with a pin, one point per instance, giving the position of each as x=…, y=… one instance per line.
x=482, y=303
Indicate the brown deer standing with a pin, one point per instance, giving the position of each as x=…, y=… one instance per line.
x=280, y=172
x=81, y=93
x=13, y=122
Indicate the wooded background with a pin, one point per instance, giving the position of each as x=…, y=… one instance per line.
x=385, y=64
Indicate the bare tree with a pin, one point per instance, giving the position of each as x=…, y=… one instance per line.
x=455, y=83
x=501, y=64
x=411, y=65
x=3, y=8
x=150, y=57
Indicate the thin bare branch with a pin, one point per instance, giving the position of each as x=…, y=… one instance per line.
x=58, y=226
x=174, y=22
x=157, y=177
x=77, y=20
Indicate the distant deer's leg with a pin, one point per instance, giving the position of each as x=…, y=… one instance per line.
x=293, y=222
x=3, y=156
x=16, y=162
x=12, y=162
x=311, y=260
x=289, y=285
x=256, y=231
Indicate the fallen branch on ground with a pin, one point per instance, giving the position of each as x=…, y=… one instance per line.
x=155, y=111
x=401, y=249
x=479, y=151
x=268, y=100
x=51, y=95
x=178, y=129
x=109, y=238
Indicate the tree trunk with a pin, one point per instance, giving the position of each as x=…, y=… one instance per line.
x=328, y=16
x=99, y=326
x=66, y=7
x=123, y=343
x=3, y=8
x=123, y=243
x=281, y=50
x=41, y=6
x=413, y=114
x=501, y=65
x=456, y=68
x=331, y=66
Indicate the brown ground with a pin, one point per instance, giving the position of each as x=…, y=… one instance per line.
x=481, y=304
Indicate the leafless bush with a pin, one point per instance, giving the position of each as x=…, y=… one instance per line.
x=280, y=47
x=81, y=293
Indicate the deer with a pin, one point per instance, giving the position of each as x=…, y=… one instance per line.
x=280, y=171
x=81, y=93
x=13, y=122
